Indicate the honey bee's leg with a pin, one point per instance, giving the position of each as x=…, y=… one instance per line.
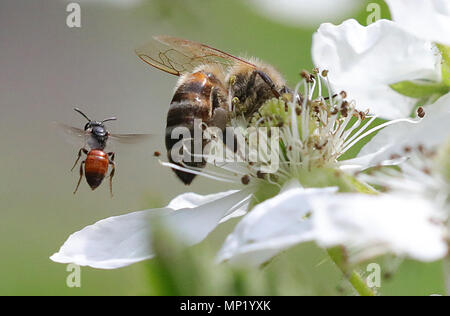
x=287, y=90
x=79, y=156
x=81, y=177
x=269, y=82
x=113, y=171
x=214, y=98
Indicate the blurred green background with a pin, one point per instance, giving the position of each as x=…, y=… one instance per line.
x=48, y=68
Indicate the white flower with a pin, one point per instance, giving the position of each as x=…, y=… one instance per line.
x=306, y=12
x=365, y=61
x=314, y=133
x=122, y=240
x=367, y=225
x=272, y=226
x=408, y=221
x=374, y=225
x=391, y=142
x=427, y=19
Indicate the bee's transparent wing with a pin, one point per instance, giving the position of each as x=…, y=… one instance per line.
x=177, y=56
x=130, y=138
x=73, y=135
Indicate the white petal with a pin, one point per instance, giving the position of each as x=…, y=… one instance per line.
x=271, y=227
x=431, y=131
x=190, y=200
x=306, y=12
x=111, y=243
x=427, y=19
x=374, y=225
x=193, y=225
x=122, y=240
x=364, y=61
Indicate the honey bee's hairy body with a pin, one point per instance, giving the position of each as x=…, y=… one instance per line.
x=248, y=86
x=205, y=94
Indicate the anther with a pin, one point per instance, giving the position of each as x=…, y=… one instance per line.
x=245, y=179
x=306, y=75
x=362, y=116
x=156, y=154
x=421, y=148
x=260, y=175
x=420, y=112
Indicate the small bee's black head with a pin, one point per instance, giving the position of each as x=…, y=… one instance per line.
x=97, y=128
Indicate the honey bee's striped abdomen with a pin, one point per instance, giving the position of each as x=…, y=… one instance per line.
x=191, y=101
x=96, y=167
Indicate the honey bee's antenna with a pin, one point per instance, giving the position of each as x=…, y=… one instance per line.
x=79, y=111
x=110, y=119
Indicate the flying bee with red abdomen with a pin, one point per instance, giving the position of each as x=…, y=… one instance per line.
x=210, y=86
x=97, y=161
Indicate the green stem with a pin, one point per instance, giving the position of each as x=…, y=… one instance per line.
x=337, y=254
x=446, y=272
x=360, y=285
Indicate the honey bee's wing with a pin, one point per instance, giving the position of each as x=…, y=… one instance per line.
x=73, y=135
x=177, y=56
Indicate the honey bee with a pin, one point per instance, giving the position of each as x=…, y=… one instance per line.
x=211, y=82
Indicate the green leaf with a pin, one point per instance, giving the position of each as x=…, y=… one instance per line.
x=445, y=51
x=415, y=89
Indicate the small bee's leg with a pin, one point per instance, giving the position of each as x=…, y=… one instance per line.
x=79, y=156
x=81, y=177
x=113, y=171
x=269, y=82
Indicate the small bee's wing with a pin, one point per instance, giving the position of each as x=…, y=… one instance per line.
x=177, y=56
x=72, y=134
x=130, y=138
